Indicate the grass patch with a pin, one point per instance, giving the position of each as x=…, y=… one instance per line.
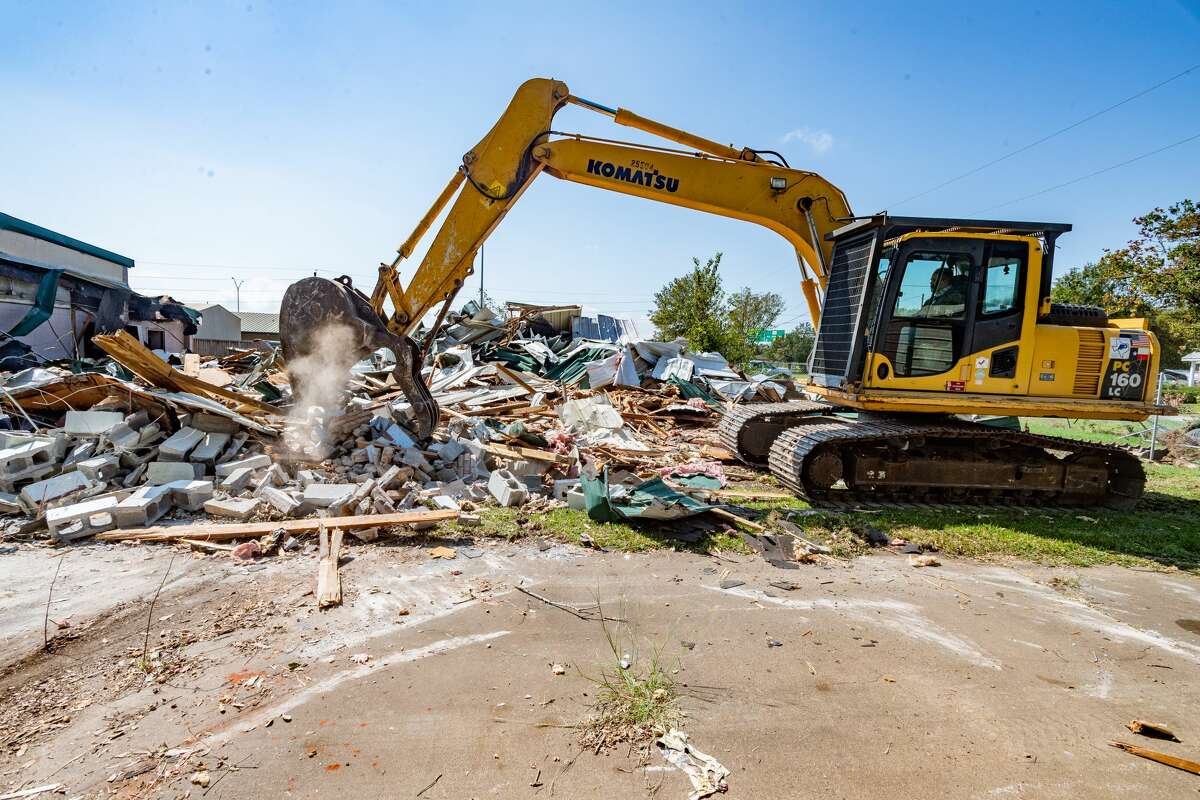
x=569, y=525
x=1160, y=533
x=1101, y=431
x=635, y=702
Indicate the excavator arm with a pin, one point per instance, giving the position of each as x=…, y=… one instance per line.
x=708, y=176
x=741, y=184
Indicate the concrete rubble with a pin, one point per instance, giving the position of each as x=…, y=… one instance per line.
x=529, y=407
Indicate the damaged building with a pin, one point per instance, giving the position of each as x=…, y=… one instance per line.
x=56, y=292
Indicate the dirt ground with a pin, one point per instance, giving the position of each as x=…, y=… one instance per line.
x=435, y=677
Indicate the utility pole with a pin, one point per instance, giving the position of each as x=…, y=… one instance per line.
x=237, y=287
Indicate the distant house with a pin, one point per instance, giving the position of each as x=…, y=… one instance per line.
x=219, y=330
x=259, y=327
x=56, y=292
x=1193, y=364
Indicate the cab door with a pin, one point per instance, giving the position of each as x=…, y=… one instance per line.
x=923, y=328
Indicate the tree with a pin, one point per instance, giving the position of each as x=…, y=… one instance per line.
x=794, y=346
x=692, y=306
x=1156, y=275
x=749, y=313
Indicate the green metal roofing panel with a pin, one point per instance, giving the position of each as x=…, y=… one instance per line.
x=11, y=223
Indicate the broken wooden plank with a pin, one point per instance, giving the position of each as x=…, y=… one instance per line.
x=752, y=494
x=515, y=378
x=329, y=582
x=212, y=547
x=245, y=530
x=726, y=515
x=1162, y=758
x=527, y=453
x=131, y=353
x=478, y=411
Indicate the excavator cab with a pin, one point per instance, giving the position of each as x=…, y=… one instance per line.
x=954, y=316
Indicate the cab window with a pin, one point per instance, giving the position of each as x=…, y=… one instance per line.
x=934, y=286
x=1001, y=285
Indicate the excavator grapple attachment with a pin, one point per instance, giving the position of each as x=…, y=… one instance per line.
x=325, y=327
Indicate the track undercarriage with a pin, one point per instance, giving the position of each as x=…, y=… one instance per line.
x=910, y=460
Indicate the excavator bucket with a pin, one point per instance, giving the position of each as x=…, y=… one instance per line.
x=327, y=326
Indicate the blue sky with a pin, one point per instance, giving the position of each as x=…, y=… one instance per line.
x=263, y=140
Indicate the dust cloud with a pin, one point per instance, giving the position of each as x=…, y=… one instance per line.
x=318, y=380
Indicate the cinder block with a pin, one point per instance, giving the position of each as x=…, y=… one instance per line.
x=238, y=480
x=415, y=458
x=101, y=469
x=25, y=462
x=190, y=495
x=92, y=423
x=135, y=476
x=166, y=471
x=180, y=444
x=275, y=476
x=449, y=450
x=576, y=500
x=79, y=452
x=234, y=447
x=209, y=449
x=563, y=487
x=138, y=456
x=138, y=419
x=260, y=461
x=149, y=434
x=143, y=507
x=82, y=519
x=528, y=469
x=324, y=495
x=61, y=485
x=507, y=489
x=391, y=476
x=233, y=508
x=445, y=501
x=123, y=437
x=280, y=500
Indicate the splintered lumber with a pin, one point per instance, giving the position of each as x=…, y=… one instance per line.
x=515, y=377
x=132, y=354
x=1162, y=758
x=526, y=453
x=329, y=582
x=250, y=530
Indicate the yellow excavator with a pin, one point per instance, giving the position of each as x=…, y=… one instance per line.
x=920, y=321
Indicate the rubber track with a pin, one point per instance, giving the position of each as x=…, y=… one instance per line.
x=791, y=448
x=734, y=423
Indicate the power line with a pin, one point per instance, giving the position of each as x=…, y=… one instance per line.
x=1048, y=137
x=1091, y=174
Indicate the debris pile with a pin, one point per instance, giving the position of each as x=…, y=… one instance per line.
x=533, y=414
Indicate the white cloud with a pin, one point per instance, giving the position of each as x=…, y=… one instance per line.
x=818, y=141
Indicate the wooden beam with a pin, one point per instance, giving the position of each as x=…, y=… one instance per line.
x=249, y=530
x=329, y=582
x=515, y=378
x=527, y=453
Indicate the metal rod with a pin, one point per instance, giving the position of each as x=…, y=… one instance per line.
x=1154, y=425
